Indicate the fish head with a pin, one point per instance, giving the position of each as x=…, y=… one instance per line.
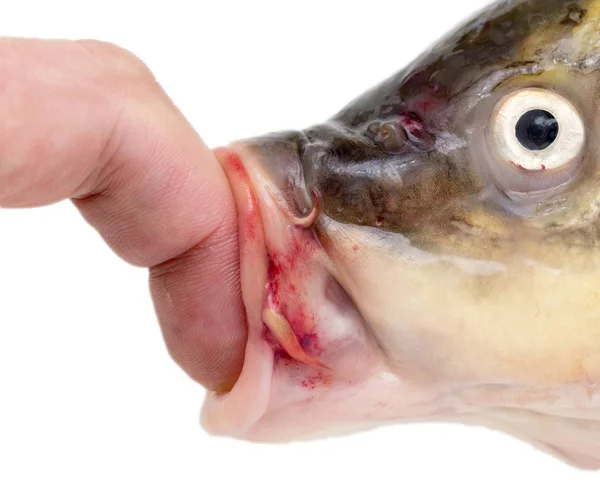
x=432, y=251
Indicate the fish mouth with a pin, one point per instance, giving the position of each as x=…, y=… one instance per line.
x=307, y=341
x=274, y=181
x=313, y=366
x=277, y=160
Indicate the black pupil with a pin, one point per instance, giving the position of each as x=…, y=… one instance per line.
x=537, y=129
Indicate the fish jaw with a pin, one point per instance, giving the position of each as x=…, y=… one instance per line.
x=336, y=376
x=331, y=377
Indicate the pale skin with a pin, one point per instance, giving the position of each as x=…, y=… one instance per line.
x=87, y=121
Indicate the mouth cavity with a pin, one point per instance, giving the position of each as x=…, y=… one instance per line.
x=253, y=241
x=307, y=341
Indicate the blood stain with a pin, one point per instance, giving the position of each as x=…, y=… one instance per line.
x=312, y=382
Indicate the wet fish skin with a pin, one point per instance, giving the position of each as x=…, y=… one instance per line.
x=439, y=281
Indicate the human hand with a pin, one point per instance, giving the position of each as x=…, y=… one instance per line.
x=87, y=121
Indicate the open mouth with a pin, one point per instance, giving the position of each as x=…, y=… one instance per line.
x=307, y=342
x=289, y=329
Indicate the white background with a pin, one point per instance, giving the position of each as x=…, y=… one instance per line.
x=87, y=390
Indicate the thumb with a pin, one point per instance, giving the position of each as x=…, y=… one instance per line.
x=88, y=121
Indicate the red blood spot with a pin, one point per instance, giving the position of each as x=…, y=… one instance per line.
x=312, y=382
x=416, y=129
x=236, y=164
x=543, y=167
x=252, y=215
x=310, y=342
x=288, y=272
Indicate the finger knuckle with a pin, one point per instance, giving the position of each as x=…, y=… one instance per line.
x=117, y=59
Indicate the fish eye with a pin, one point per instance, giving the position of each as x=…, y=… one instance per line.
x=537, y=134
x=536, y=129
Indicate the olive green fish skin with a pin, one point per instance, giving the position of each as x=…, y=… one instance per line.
x=487, y=43
x=358, y=176
x=429, y=180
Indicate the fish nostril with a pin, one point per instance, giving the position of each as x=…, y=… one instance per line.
x=389, y=135
x=394, y=133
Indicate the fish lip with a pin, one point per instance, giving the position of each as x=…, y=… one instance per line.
x=222, y=413
x=278, y=160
